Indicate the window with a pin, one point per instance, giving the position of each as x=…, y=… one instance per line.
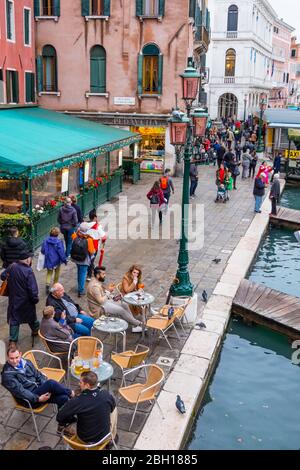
x=29, y=87
x=97, y=70
x=287, y=78
x=1, y=87
x=49, y=69
x=27, y=26
x=150, y=8
x=12, y=86
x=150, y=69
x=96, y=8
x=230, y=63
x=293, y=53
x=232, y=19
x=47, y=8
x=10, y=20
x=276, y=30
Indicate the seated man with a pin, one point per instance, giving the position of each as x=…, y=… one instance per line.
x=100, y=300
x=95, y=410
x=56, y=331
x=24, y=381
x=80, y=322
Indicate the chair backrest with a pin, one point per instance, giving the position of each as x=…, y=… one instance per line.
x=87, y=346
x=76, y=444
x=154, y=380
x=30, y=356
x=137, y=358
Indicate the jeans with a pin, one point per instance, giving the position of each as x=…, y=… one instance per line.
x=252, y=171
x=59, y=393
x=68, y=239
x=258, y=203
x=194, y=184
x=91, y=267
x=84, y=328
x=82, y=270
x=14, y=330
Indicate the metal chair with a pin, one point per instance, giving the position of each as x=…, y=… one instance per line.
x=179, y=312
x=128, y=360
x=140, y=393
x=76, y=444
x=162, y=324
x=86, y=349
x=47, y=342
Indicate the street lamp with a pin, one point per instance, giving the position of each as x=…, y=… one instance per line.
x=181, y=132
x=262, y=106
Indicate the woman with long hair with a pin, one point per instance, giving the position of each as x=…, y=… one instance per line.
x=156, y=198
x=132, y=281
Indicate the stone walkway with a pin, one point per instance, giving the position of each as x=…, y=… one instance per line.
x=225, y=224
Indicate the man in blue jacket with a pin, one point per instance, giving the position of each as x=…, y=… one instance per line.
x=25, y=382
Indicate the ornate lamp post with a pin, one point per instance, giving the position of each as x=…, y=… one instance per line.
x=262, y=105
x=181, y=132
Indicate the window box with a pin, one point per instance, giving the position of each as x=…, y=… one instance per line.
x=53, y=18
x=154, y=95
x=50, y=93
x=94, y=17
x=89, y=94
x=146, y=17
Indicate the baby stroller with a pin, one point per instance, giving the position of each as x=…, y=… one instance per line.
x=222, y=194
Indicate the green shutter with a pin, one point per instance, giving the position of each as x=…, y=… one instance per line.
x=39, y=72
x=160, y=74
x=36, y=7
x=106, y=7
x=139, y=7
x=192, y=8
x=98, y=75
x=15, y=86
x=32, y=79
x=198, y=17
x=208, y=20
x=56, y=7
x=161, y=8
x=140, y=74
x=27, y=87
x=8, y=90
x=26, y=26
x=85, y=7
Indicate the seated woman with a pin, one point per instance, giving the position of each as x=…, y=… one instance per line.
x=57, y=331
x=132, y=281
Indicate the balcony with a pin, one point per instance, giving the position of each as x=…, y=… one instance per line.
x=229, y=79
x=201, y=40
x=231, y=34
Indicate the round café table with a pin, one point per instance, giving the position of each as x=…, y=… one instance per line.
x=140, y=299
x=112, y=325
x=104, y=371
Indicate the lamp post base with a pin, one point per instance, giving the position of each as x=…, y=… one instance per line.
x=182, y=287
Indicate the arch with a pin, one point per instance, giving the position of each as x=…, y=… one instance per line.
x=150, y=49
x=230, y=60
x=227, y=106
x=97, y=69
x=232, y=18
x=49, y=64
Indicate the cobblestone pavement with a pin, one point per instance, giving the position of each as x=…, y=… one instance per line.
x=225, y=224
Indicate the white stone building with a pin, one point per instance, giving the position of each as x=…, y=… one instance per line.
x=240, y=56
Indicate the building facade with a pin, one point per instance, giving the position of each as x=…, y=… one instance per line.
x=294, y=85
x=240, y=57
x=281, y=64
x=119, y=62
x=17, y=52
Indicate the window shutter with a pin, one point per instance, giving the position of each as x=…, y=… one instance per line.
x=27, y=87
x=56, y=5
x=139, y=7
x=98, y=75
x=8, y=90
x=140, y=74
x=36, y=7
x=198, y=17
x=160, y=74
x=15, y=86
x=26, y=26
x=161, y=8
x=85, y=7
x=106, y=7
x=39, y=73
x=32, y=87
x=208, y=20
x=192, y=8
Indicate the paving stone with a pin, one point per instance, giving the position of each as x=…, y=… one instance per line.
x=28, y=427
x=19, y=441
x=124, y=419
x=46, y=440
x=18, y=418
x=201, y=344
x=5, y=434
x=126, y=439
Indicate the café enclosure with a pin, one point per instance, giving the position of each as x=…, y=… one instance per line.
x=45, y=156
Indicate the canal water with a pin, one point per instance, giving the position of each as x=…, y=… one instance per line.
x=253, y=400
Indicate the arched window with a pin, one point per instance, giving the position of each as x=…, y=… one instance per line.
x=230, y=63
x=49, y=63
x=232, y=19
x=151, y=71
x=228, y=106
x=97, y=70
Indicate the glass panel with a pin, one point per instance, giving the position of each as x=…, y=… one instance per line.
x=101, y=165
x=150, y=74
x=97, y=7
x=10, y=196
x=114, y=161
x=232, y=21
x=230, y=63
x=47, y=8
x=150, y=8
x=74, y=186
x=46, y=187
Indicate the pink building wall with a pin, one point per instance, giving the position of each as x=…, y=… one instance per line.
x=123, y=35
x=15, y=55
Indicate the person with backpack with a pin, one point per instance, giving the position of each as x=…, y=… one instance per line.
x=156, y=198
x=98, y=235
x=81, y=253
x=166, y=184
x=68, y=220
x=193, y=179
x=54, y=252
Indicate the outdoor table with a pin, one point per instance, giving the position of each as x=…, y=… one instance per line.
x=112, y=325
x=104, y=371
x=140, y=299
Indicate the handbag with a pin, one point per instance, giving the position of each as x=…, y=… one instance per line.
x=40, y=262
x=4, y=288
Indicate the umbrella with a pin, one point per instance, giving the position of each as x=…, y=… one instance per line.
x=101, y=255
x=297, y=235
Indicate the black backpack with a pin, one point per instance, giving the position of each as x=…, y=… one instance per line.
x=154, y=199
x=79, y=250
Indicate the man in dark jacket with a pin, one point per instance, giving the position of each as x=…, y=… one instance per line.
x=77, y=319
x=276, y=165
x=14, y=247
x=95, y=410
x=23, y=295
x=25, y=382
x=259, y=191
x=275, y=193
x=77, y=208
x=68, y=220
x=220, y=155
x=194, y=179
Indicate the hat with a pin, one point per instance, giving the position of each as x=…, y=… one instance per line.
x=83, y=228
x=25, y=255
x=276, y=176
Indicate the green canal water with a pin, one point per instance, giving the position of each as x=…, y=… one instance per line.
x=252, y=401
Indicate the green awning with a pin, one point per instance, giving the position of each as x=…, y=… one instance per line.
x=294, y=134
x=34, y=141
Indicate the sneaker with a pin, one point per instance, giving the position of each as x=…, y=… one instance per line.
x=137, y=329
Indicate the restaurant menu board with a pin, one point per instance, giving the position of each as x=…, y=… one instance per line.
x=65, y=180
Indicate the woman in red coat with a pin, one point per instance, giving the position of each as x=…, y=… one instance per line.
x=156, y=198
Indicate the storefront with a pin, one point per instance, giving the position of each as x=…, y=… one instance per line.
x=53, y=156
x=152, y=148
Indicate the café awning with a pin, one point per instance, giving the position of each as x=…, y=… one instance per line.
x=35, y=141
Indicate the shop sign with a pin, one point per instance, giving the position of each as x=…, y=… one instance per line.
x=292, y=153
x=124, y=100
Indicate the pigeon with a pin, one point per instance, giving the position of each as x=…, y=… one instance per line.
x=180, y=405
x=201, y=324
x=217, y=260
x=204, y=296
